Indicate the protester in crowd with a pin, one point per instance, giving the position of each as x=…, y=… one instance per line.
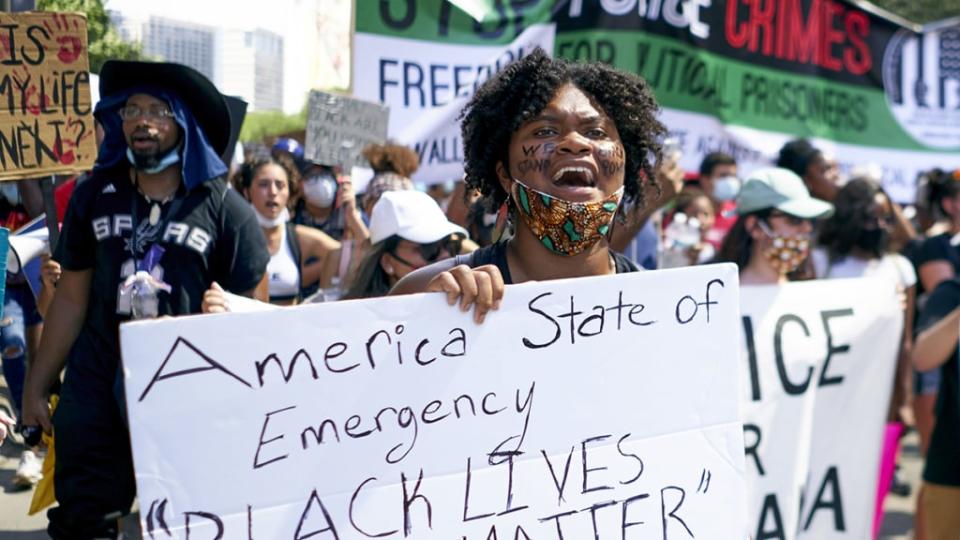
x=718, y=180
x=408, y=231
x=441, y=192
x=936, y=260
x=462, y=200
x=329, y=204
x=393, y=165
x=564, y=143
x=855, y=242
x=21, y=324
x=685, y=234
x=939, y=257
x=19, y=337
x=809, y=163
x=271, y=184
x=159, y=170
x=291, y=148
x=483, y=224
x=936, y=347
x=636, y=231
x=772, y=235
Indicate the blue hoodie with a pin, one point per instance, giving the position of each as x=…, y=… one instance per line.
x=199, y=162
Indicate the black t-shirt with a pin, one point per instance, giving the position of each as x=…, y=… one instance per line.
x=214, y=236
x=496, y=254
x=333, y=225
x=938, y=248
x=943, y=457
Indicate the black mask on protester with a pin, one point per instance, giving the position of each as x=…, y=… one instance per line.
x=873, y=240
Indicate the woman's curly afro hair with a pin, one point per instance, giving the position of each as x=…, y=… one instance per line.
x=523, y=90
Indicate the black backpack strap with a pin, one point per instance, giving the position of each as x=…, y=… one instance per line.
x=294, y=242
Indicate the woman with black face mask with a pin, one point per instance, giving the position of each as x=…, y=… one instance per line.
x=855, y=240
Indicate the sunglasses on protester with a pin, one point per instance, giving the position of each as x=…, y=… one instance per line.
x=431, y=252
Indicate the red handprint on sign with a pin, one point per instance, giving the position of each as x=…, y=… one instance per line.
x=29, y=95
x=65, y=148
x=5, y=49
x=71, y=46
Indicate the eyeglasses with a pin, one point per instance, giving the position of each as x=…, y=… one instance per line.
x=132, y=112
x=431, y=252
x=792, y=220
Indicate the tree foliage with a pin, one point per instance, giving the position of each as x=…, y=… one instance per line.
x=921, y=11
x=104, y=42
x=262, y=125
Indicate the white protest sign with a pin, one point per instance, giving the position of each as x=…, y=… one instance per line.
x=818, y=367
x=339, y=127
x=599, y=407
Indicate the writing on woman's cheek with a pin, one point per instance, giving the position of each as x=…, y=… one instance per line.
x=611, y=158
x=536, y=157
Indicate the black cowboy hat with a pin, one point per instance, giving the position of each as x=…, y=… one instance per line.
x=196, y=91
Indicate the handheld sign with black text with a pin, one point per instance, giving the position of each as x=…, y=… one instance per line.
x=339, y=127
x=46, y=118
x=818, y=368
x=590, y=408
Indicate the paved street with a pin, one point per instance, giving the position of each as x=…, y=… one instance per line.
x=16, y=525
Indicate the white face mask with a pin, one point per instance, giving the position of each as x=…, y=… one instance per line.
x=726, y=188
x=320, y=190
x=268, y=223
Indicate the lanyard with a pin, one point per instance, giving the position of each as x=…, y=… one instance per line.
x=174, y=207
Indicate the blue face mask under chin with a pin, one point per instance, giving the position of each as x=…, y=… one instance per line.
x=172, y=157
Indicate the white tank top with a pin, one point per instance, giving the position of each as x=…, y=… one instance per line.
x=283, y=271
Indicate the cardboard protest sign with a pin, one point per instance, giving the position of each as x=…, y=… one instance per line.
x=339, y=127
x=818, y=368
x=599, y=407
x=46, y=118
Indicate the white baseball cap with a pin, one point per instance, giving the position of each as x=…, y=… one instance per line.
x=411, y=215
x=781, y=189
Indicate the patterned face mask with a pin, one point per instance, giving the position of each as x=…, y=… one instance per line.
x=564, y=227
x=786, y=252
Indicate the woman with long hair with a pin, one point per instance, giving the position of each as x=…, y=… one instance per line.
x=300, y=256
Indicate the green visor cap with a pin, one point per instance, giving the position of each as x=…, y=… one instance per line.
x=781, y=189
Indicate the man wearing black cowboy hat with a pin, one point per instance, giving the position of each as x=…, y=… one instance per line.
x=145, y=236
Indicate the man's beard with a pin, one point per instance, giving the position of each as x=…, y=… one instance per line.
x=147, y=160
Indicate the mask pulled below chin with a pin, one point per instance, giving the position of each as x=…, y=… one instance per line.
x=564, y=227
x=268, y=223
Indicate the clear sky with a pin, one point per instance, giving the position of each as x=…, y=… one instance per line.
x=270, y=15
